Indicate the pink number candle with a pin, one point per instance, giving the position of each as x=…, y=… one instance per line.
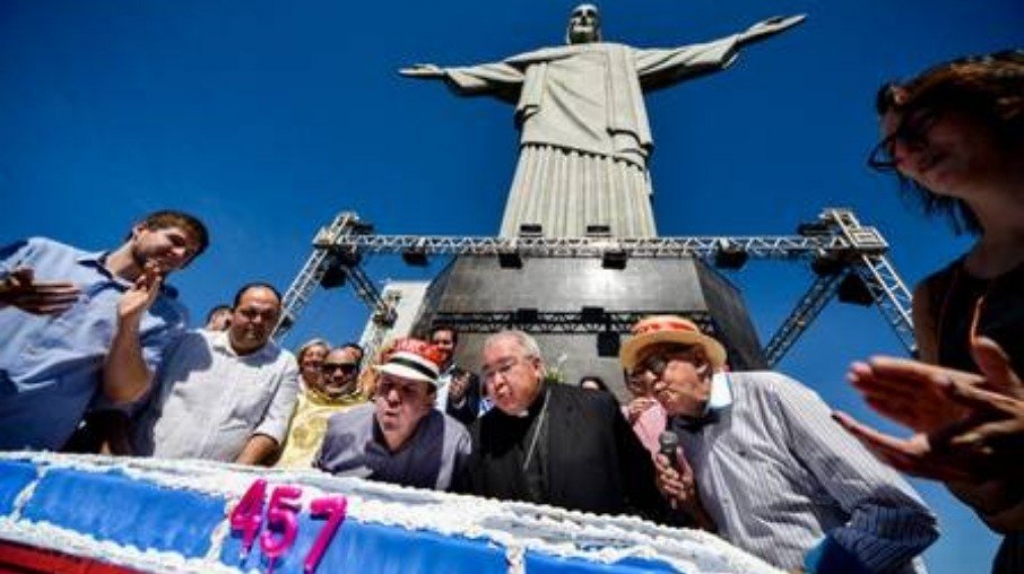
x=247, y=515
x=333, y=507
x=284, y=504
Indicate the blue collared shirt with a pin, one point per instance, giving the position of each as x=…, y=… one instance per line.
x=50, y=366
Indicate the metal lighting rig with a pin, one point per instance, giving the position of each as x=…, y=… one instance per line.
x=848, y=260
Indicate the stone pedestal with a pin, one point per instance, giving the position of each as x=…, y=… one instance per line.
x=566, y=303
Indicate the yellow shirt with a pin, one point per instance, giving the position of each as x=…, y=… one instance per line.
x=309, y=424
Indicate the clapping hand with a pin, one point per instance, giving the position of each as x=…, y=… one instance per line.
x=141, y=295
x=920, y=455
x=21, y=290
x=910, y=392
x=998, y=406
x=974, y=432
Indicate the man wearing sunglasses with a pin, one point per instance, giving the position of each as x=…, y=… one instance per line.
x=333, y=392
x=339, y=372
x=400, y=438
x=765, y=462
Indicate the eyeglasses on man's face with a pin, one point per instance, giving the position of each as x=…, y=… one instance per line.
x=346, y=368
x=254, y=312
x=911, y=131
x=503, y=368
x=655, y=365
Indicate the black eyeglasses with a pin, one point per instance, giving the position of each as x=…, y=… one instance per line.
x=911, y=131
x=657, y=363
x=347, y=368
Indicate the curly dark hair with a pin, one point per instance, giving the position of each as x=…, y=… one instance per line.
x=989, y=89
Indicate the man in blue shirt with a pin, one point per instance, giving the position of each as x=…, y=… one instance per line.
x=77, y=325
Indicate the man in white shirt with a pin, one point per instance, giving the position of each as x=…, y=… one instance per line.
x=224, y=395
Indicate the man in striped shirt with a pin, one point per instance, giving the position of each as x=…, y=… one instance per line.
x=768, y=466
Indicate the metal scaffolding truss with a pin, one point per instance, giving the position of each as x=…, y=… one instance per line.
x=343, y=263
x=765, y=247
x=297, y=296
x=888, y=291
x=821, y=291
x=838, y=247
x=864, y=257
x=380, y=324
x=534, y=321
x=890, y=296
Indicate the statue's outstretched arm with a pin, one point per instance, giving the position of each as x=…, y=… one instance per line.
x=768, y=28
x=662, y=67
x=495, y=79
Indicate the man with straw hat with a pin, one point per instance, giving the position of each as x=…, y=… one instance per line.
x=763, y=458
x=400, y=438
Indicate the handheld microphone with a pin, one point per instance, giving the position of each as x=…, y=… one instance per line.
x=668, y=444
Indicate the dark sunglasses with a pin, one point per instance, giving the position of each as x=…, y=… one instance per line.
x=911, y=131
x=347, y=368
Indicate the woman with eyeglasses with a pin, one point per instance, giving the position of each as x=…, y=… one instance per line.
x=954, y=136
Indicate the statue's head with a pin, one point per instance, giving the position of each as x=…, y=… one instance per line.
x=584, y=25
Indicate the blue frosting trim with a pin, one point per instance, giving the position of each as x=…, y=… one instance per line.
x=380, y=548
x=830, y=557
x=365, y=547
x=111, y=506
x=14, y=477
x=114, y=507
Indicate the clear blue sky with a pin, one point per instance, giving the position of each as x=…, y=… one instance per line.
x=267, y=118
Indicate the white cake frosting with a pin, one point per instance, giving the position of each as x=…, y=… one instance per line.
x=516, y=527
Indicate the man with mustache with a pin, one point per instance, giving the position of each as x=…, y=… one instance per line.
x=81, y=325
x=224, y=395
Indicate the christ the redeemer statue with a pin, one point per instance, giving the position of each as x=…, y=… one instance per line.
x=585, y=139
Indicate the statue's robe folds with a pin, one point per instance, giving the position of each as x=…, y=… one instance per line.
x=585, y=139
